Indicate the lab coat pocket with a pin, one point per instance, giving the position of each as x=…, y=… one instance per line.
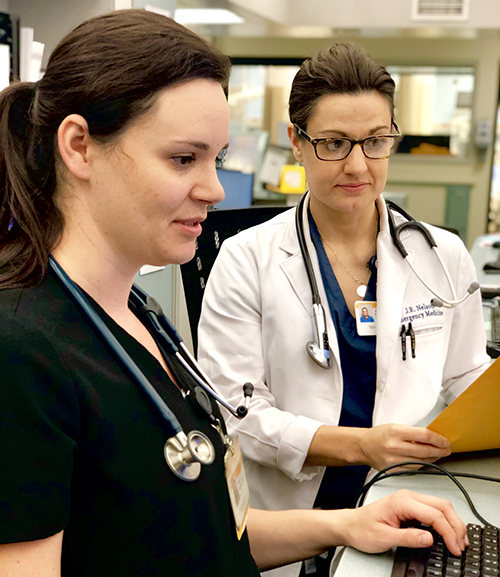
x=427, y=330
x=430, y=349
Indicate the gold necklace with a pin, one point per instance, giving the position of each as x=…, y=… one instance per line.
x=362, y=286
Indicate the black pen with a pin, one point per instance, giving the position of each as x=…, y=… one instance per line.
x=402, y=334
x=411, y=333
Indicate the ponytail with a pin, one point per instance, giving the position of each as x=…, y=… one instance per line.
x=110, y=70
x=29, y=220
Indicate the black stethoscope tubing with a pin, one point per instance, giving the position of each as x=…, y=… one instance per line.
x=320, y=354
x=184, y=454
x=166, y=335
x=170, y=419
x=396, y=229
x=319, y=349
x=410, y=223
x=311, y=277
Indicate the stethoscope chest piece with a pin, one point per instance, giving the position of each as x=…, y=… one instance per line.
x=185, y=454
x=318, y=355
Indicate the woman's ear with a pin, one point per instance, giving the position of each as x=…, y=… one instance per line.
x=295, y=142
x=74, y=140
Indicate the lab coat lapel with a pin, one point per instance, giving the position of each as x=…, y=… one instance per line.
x=392, y=279
x=292, y=263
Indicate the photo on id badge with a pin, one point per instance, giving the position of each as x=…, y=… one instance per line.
x=366, y=318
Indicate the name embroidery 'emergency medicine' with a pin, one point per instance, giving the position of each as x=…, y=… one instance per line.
x=420, y=311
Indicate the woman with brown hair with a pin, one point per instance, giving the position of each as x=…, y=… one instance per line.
x=335, y=395
x=107, y=164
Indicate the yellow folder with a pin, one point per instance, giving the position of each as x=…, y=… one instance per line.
x=472, y=421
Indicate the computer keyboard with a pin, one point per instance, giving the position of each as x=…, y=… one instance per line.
x=480, y=559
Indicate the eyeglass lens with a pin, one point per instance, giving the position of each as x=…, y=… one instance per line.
x=339, y=148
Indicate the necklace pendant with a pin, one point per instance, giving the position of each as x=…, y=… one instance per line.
x=361, y=290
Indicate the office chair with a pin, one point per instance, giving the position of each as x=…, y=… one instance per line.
x=219, y=225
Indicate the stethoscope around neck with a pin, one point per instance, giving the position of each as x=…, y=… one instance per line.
x=184, y=453
x=410, y=223
x=319, y=349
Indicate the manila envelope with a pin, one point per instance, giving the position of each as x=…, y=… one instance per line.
x=472, y=421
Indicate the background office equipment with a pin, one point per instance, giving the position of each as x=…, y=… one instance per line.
x=219, y=225
x=238, y=188
x=275, y=158
x=485, y=253
x=422, y=144
x=9, y=59
x=31, y=54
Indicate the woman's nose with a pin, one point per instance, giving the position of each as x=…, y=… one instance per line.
x=356, y=161
x=210, y=187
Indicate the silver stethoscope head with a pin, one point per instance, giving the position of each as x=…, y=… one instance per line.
x=185, y=454
x=320, y=354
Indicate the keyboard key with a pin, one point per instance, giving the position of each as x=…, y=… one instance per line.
x=481, y=558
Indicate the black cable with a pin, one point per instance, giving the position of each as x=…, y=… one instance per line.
x=438, y=470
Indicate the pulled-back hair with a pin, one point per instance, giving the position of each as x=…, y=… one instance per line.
x=110, y=70
x=341, y=69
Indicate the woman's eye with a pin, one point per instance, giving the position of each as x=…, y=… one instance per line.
x=337, y=144
x=184, y=160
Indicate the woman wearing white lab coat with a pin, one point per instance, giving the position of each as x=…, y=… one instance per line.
x=256, y=316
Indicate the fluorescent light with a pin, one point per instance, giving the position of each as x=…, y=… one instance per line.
x=206, y=16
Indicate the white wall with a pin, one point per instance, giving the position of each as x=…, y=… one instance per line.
x=53, y=19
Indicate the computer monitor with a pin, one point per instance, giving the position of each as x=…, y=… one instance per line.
x=238, y=187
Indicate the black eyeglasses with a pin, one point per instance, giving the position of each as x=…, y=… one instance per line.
x=332, y=149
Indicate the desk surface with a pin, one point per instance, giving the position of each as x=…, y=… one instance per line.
x=484, y=494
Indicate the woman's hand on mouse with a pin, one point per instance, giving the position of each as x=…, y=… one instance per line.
x=377, y=527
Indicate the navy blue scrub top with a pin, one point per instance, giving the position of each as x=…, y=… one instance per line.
x=359, y=370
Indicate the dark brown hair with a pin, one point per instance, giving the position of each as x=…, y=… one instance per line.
x=341, y=69
x=109, y=70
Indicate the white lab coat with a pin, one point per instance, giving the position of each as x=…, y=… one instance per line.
x=256, y=320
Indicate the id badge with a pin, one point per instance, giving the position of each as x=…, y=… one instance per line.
x=239, y=493
x=366, y=318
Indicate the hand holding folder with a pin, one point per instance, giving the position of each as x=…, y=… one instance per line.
x=472, y=421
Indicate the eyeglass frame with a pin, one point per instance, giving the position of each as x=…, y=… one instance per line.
x=352, y=142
